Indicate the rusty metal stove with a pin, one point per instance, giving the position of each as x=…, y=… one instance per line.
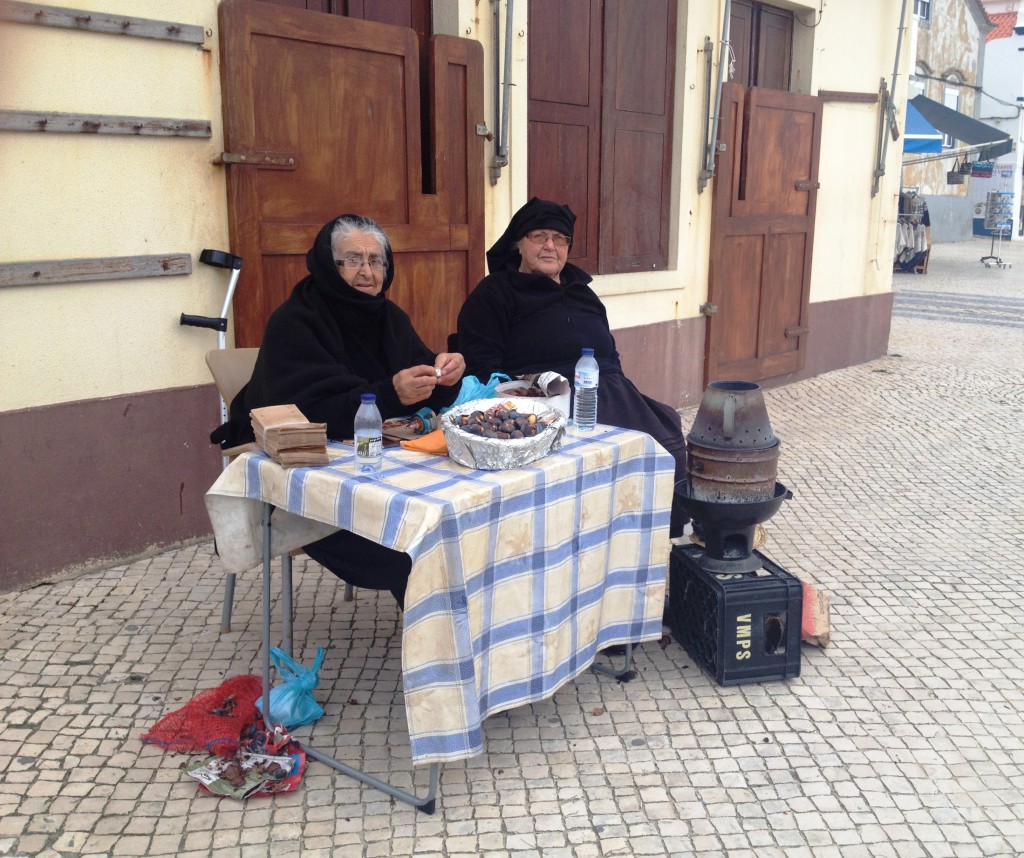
x=732, y=462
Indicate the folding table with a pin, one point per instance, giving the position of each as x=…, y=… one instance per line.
x=519, y=577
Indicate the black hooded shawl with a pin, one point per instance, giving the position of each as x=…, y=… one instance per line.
x=519, y=323
x=327, y=344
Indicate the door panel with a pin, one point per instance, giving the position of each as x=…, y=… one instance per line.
x=762, y=233
x=739, y=337
x=342, y=96
x=783, y=144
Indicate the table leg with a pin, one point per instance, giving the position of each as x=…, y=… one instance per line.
x=229, y=598
x=623, y=675
x=426, y=803
x=287, y=614
x=268, y=511
x=423, y=804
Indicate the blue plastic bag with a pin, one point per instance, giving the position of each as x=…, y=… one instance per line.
x=291, y=702
x=473, y=388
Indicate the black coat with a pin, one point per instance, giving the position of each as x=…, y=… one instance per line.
x=325, y=346
x=520, y=323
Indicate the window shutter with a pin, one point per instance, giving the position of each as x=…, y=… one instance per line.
x=636, y=136
x=564, y=125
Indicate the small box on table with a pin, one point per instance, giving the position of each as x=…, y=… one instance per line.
x=739, y=627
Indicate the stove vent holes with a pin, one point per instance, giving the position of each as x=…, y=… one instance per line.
x=758, y=438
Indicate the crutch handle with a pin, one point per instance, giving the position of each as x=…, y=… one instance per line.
x=220, y=259
x=204, y=322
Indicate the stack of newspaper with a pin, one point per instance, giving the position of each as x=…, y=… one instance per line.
x=284, y=433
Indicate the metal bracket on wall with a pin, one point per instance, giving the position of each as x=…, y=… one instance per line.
x=502, y=91
x=263, y=160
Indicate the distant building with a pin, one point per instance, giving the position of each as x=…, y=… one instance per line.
x=949, y=39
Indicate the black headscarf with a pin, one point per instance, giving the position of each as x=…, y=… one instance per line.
x=326, y=277
x=536, y=214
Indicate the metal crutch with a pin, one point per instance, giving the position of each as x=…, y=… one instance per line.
x=220, y=259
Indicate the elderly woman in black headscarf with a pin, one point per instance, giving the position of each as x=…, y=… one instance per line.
x=336, y=337
x=535, y=311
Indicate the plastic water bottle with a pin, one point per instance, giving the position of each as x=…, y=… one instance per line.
x=368, y=435
x=584, y=409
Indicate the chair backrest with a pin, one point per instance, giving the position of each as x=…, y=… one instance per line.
x=231, y=369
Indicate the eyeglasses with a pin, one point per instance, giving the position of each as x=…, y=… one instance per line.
x=354, y=263
x=536, y=237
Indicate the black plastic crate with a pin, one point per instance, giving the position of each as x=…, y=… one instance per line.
x=741, y=627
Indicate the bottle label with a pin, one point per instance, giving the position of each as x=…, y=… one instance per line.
x=368, y=447
x=586, y=379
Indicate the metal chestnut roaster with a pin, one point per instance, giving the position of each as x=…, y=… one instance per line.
x=736, y=613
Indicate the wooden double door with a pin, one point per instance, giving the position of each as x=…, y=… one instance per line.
x=762, y=233
x=323, y=115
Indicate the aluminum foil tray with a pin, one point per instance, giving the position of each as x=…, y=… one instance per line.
x=497, y=454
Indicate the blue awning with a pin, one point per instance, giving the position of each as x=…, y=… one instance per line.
x=920, y=137
x=962, y=128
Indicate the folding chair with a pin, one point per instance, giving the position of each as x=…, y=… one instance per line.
x=231, y=370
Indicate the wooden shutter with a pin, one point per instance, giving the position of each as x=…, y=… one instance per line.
x=762, y=43
x=564, y=115
x=741, y=28
x=636, y=136
x=775, y=48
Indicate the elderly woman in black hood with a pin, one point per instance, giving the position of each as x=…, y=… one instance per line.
x=535, y=311
x=336, y=337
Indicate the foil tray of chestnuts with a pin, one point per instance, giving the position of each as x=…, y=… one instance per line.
x=497, y=434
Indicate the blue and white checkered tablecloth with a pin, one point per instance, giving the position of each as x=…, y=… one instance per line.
x=519, y=577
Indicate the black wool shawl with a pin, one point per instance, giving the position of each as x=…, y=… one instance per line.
x=325, y=346
x=519, y=323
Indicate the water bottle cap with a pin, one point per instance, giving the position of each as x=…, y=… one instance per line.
x=587, y=352
x=369, y=397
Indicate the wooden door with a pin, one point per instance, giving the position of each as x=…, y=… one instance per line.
x=334, y=104
x=762, y=233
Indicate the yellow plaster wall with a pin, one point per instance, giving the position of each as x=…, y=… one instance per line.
x=69, y=196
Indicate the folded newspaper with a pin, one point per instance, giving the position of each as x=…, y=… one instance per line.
x=242, y=775
x=284, y=433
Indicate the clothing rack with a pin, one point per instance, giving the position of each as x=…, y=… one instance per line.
x=913, y=234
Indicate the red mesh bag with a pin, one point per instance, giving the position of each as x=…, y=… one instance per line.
x=211, y=721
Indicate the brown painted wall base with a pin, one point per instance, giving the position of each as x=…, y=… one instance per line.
x=86, y=484
x=843, y=333
x=666, y=361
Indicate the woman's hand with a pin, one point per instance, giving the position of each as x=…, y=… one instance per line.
x=449, y=368
x=414, y=384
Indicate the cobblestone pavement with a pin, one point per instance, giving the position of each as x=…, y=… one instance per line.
x=904, y=737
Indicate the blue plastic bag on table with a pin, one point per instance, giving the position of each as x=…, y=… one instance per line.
x=473, y=388
x=291, y=702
